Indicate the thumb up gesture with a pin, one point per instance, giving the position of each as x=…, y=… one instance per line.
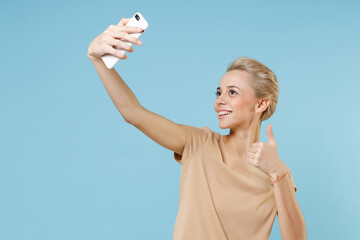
x=265, y=156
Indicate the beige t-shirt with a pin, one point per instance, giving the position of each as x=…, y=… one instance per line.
x=221, y=197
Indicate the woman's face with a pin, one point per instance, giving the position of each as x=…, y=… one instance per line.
x=236, y=95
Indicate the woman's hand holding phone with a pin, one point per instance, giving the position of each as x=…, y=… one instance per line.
x=114, y=36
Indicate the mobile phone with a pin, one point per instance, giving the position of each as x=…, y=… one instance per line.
x=136, y=21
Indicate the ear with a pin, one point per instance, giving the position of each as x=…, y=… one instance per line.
x=262, y=105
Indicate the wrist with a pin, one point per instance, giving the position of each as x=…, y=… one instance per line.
x=279, y=173
x=92, y=58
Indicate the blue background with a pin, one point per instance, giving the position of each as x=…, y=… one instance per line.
x=72, y=168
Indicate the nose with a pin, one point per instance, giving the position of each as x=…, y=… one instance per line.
x=221, y=100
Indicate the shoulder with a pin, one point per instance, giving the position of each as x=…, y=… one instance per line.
x=200, y=131
x=206, y=129
x=211, y=133
x=195, y=129
x=209, y=130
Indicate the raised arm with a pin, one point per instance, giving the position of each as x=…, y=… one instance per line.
x=160, y=129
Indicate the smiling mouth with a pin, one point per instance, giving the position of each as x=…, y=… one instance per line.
x=224, y=115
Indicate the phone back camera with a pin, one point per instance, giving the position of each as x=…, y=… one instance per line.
x=137, y=17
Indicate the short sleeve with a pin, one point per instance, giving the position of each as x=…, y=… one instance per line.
x=195, y=138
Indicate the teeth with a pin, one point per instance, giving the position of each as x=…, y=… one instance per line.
x=223, y=113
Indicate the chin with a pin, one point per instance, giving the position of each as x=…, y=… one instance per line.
x=224, y=125
x=231, y=124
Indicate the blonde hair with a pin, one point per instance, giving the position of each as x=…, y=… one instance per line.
x=264, y=82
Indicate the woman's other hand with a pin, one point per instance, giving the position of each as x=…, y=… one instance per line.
x=265, y=156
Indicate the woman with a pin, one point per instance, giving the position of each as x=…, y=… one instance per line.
x=231, y=186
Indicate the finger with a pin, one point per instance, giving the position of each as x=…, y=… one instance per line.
x=255, y=145
x=127, y=29
x=127, y=37
x=124, y=21
x=270, y=134
x=114, y=52
x=251, y=155
x=254, y=151
x=119, y=43
x=251, y=160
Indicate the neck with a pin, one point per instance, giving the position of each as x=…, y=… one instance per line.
x=240, y=140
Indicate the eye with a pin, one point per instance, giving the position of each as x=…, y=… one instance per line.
x=232, y=91
x=217, y=93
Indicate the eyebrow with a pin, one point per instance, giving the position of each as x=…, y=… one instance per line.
x=229, y=87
